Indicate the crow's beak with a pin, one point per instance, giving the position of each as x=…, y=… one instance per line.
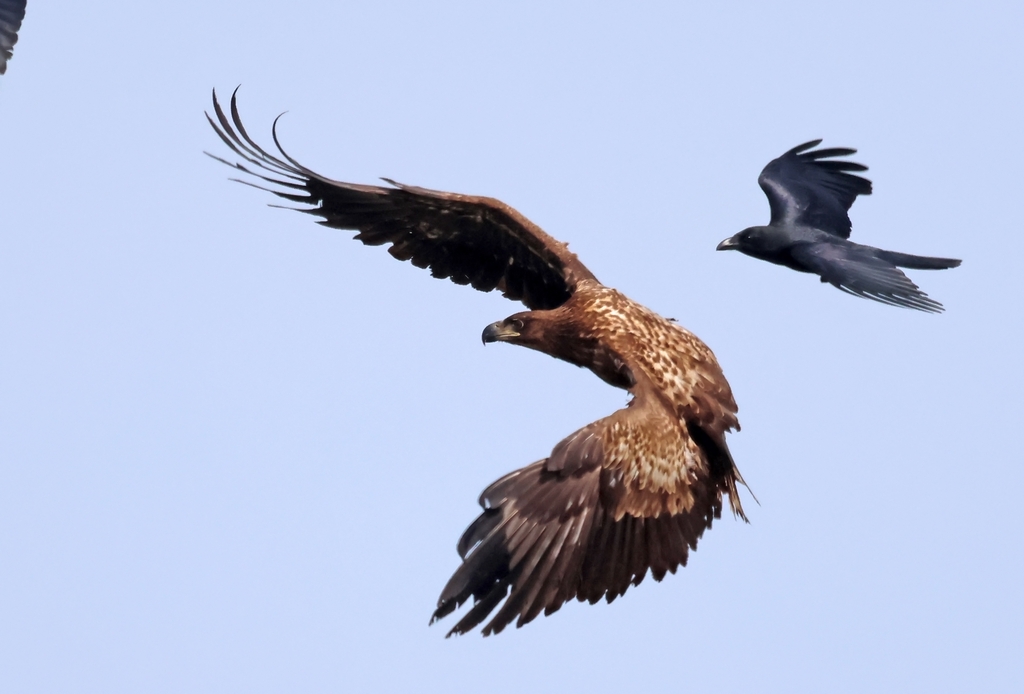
x=728, y=245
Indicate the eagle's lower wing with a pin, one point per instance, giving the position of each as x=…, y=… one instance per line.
x=857, y=270
x=11, y=14
x=630, y=493
x=471, y=240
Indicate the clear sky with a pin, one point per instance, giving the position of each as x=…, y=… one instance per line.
x=237, y=449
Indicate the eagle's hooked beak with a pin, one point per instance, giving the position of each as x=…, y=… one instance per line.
x=729, y=244
x=500, y=331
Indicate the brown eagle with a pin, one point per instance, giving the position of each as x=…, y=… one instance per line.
x=629, y=493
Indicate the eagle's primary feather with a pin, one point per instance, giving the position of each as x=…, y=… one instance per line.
x=625, y=495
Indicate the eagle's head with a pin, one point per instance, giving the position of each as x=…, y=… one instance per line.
x=552, y=332
x=520, y=329
x=539, y=330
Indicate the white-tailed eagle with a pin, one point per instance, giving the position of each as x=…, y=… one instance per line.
x=625, y=495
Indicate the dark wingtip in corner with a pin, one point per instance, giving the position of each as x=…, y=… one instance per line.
x=12, y=12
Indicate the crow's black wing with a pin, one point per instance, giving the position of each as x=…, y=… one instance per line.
x=857, y=270
x=11, y=14
x=803, y=189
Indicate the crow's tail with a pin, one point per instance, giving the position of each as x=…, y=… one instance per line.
x=917, y=262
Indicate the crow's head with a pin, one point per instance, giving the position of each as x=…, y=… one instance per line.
x=759, y=242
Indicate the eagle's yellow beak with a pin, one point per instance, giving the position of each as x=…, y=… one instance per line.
x=499, y=332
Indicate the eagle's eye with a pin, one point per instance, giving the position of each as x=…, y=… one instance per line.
x=516, y=324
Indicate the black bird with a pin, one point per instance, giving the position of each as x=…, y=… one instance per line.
x=11, y=14
x=810, y=227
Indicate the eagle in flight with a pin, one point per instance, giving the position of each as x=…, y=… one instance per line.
x=810, y=194
x=626, y=494
x=11, y=14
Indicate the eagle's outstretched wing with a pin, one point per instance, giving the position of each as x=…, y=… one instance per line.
x=11, y=14
x=629, y=493
x=471, y=240
x=803, y=188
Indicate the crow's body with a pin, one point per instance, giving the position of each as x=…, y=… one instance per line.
x=810, y=195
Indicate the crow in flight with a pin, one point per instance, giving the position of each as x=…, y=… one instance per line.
x=809, y=195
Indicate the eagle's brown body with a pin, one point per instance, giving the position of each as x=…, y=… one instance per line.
x=674, y=376
x=626, y=494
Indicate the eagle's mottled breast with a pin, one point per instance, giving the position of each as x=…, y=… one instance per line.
x=681, y=367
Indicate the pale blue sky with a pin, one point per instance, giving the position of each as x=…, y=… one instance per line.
x=237, y=449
